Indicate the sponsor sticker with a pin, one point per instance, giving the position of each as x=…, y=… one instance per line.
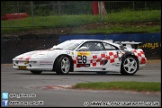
x=84, y=53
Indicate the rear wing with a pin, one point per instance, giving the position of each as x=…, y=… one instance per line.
x=129, y=44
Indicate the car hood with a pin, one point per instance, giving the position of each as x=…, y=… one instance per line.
x=34, y=54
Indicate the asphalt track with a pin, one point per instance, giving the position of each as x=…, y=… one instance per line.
x=50, y=89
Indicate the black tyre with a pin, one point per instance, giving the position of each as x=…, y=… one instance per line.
x=129, y=66
x=36, y=72
x=62, y=65
x=101, y=73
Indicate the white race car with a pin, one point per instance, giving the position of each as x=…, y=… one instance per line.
x=99, y=56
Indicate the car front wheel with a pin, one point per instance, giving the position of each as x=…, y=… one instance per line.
x=62, y=65
x=129, y=66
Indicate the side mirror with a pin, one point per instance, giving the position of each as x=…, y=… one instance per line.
x=83, y=49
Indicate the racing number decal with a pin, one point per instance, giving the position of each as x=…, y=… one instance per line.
x=82, y=59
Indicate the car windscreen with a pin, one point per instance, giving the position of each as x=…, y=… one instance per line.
x=122, y=47
x=68, y=45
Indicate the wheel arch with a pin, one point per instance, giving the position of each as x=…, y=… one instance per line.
x=71, y=61
x=129, y=54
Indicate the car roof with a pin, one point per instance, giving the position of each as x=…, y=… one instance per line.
x=88, y=39
x=107, y=41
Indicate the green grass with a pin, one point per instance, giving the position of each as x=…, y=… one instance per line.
x=133, y=86
x=120, y=29
x=134, y=16
x=124, y=16
x=17, y=30
x=51, y=21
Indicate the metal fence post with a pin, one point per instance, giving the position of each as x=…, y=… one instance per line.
x=145, y=5
x=32, y=13
x=100, y=11
x=53, y=8
x=18, y=11
x=133, y=5
x=59, y=7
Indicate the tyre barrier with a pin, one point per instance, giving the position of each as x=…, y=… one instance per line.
x=14, y=16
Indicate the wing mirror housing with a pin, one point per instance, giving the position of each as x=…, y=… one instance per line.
x=83, y=49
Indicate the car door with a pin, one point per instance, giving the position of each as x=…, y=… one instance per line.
x=112, y=58
x=89, y=56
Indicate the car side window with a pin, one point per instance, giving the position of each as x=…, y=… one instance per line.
x=92, y=46
x=109, y=47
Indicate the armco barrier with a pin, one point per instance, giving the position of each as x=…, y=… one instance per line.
x=151, y=42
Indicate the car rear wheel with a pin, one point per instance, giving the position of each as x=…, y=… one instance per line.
x=62, y=65
x=129, y=66
x=36, y=72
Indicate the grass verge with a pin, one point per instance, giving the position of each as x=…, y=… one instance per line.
x=125, y=16
x=132, y=86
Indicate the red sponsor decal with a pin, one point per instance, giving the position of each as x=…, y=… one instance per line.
x=102, y=55
x=94, y=64
x=108, y=57
x=74, y=61
x=143, y=61
x=142, y=52
x=101, y=63
x=27, y=59
x=95, y=56
x=115, y=56
x=21, y=58
x=139, y=54
x=112, y=60
x=98, y=60
x=110, y=53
